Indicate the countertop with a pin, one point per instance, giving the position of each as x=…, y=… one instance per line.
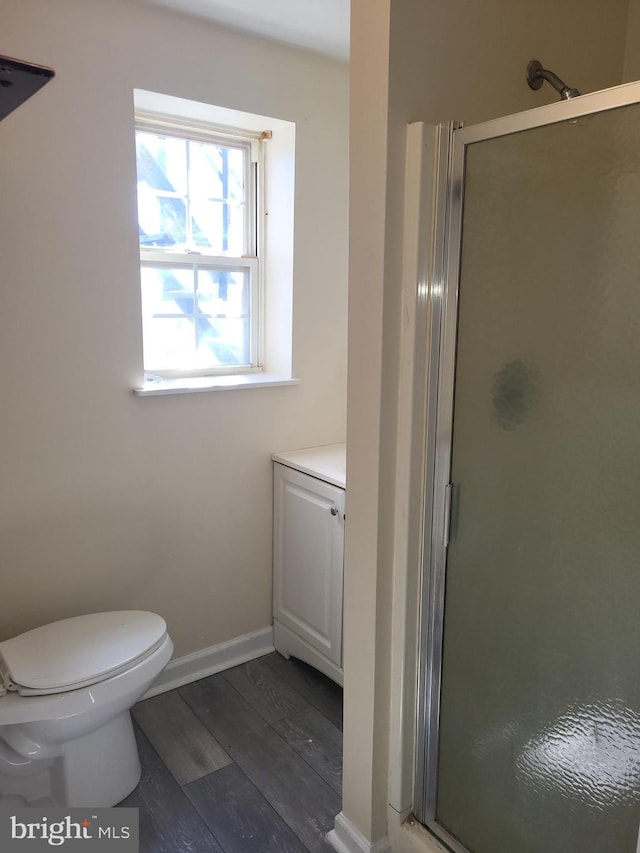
x=328, y=463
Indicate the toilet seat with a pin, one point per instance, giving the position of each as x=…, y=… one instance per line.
x=78, y=652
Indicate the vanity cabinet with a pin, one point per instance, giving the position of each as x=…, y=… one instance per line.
x=308, y=554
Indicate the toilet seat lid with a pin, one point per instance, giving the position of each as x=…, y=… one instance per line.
x=80, y=651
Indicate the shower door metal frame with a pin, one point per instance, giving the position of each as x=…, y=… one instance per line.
x=441, y=364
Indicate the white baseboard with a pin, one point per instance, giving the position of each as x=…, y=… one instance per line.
x=214, y=659
x=346, y=838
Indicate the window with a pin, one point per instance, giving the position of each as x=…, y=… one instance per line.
x=198, y=223
x=216, y=205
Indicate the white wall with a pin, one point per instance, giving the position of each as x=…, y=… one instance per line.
x=412, y=60
x=108, y=500
x=362, y=657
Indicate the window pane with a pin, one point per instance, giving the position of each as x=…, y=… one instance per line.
x=162, y=162
x=191, y=194
x=223, y=293
x=218, y=226
x=223, y=299
x=185, y=330
x=205, y=170
x=169, y=343
x=225, y=341
x=167, y=290
x=162, y=189
x=217, y=197
x=216, y=171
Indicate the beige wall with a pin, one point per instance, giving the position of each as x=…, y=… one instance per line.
x=631, y=69
x=364, y=659
x=444, y=60
x=164, y=503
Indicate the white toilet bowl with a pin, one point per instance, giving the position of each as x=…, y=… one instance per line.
x=66, y=737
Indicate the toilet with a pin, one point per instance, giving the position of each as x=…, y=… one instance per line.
x=66, y=737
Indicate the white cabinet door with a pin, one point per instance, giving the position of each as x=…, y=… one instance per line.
x=308, y=559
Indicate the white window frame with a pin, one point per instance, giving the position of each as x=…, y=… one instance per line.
x=277, y=203
x=252, y=260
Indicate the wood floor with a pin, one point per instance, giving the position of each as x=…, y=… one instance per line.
x=245, y=761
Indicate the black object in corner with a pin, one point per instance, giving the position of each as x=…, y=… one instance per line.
x=18, y=81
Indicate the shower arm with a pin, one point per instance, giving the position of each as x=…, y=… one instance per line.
x=537, y=74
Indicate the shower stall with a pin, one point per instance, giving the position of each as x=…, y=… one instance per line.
x=529, y=717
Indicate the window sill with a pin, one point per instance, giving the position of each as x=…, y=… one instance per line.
x=198, y=384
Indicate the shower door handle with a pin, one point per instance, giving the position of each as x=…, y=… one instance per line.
x=448, y=492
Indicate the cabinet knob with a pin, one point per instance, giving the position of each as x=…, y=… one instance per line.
x=334, y=510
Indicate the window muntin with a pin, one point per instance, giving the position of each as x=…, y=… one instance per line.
x=197, y=200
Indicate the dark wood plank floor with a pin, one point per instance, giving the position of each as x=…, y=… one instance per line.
x=245, y=761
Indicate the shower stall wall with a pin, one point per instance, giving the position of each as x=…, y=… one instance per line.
x=530, y=694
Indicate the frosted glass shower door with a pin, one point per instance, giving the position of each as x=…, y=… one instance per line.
x=539, y=728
